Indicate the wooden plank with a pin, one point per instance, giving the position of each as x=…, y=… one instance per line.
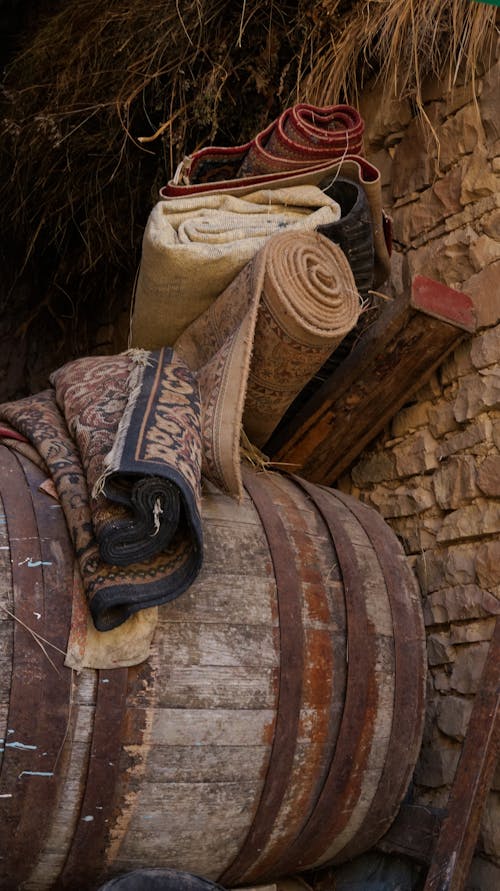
x=83, y=863
x=321, y=704
x=174, y=826
x=40, y=689
x=211, y=727
x=225, y=686
x=410, y=660
x=288, y=573
x=410, y=339
x=6, y=630
x=216, y=598
x=195, y=764
x=215, y=645
x=352, y=759
x=455, y=846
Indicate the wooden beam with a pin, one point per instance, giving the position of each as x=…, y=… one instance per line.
x=455, y=846
x=401, y=350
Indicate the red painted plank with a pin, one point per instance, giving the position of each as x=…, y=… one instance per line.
x=442, y=302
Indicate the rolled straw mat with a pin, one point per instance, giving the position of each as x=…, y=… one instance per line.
x=322, y=174
x=260, y=342
x=194, y=246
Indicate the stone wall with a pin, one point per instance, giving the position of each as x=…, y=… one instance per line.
x=435, y=473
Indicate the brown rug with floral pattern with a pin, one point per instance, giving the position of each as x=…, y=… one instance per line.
x=120, y=436
x=263, y=339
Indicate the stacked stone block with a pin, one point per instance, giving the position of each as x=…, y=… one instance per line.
x=435, y=472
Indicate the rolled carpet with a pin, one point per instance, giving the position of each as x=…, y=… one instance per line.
x=195, y=245
x=260, y=342
x=112, y=425
x=322, y=174
x=135, y=420
x=302, y=135
x=353, y=232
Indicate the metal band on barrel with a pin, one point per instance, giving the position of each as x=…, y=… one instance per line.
x=289, y=597
x=409, y=679
x=40, y=689
x=344, y=782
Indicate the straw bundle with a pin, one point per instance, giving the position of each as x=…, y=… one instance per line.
x=94, y=78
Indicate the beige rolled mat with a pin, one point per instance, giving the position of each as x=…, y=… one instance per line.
x=322, y=175
x=194, y=246
x=263, y=339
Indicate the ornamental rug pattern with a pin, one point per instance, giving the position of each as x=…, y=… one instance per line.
x=121, y=439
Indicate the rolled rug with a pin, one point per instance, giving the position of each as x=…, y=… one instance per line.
x=353, y=232
x=154, y=508
x=305, y=134
x=302, y=135
x=260, y=342
x=135, y=419
x=193, y=247
x=322, y=174
x=114, y=424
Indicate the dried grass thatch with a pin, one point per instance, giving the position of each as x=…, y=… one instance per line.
x=94, y=77
x=401, y=42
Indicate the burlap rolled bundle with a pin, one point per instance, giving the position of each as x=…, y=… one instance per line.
x=263, y=339
x=195, y=245
x=323, y=174
x=308, y=303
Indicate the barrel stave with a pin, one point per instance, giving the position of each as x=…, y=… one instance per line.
x=6, y=629
x=73, y=764
x=215, y=663
x=323, y=656
x=258, y=736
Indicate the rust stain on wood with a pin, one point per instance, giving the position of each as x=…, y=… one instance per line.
x=156, y=760
x=481, y=750
x=409, y=680
x=40, y=691
x=287, y=576
x=318, y=722
x=136, y=747
x=344, y=781
x=86, y=857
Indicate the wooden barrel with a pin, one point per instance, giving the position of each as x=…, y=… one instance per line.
x=274, y=727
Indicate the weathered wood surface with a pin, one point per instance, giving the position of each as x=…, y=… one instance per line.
x=409, y=340
x=41, y=565
x=227, y=739
x=6, y=630
x=413, y=833
x=480, y=752
x=445, y=839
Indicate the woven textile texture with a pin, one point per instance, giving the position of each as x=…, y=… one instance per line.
x=193, y=247
x=120, y=436
x=260, y=342
x=302, y=135
x=322, y=174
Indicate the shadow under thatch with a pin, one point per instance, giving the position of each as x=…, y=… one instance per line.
x=92, y=83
